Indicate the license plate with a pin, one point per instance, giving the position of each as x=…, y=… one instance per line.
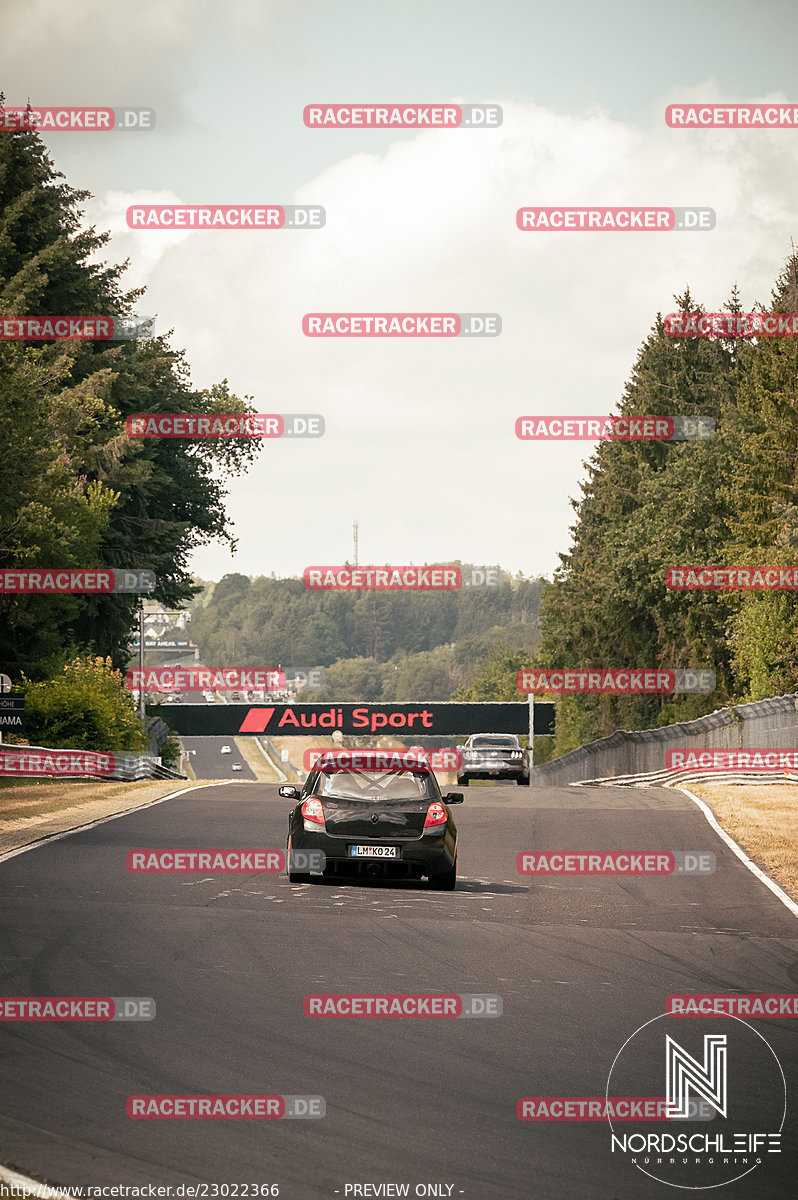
x=374, y=851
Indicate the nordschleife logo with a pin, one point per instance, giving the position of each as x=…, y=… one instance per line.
x=726, y=1103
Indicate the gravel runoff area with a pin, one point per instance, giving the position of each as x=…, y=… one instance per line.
x=763, y=820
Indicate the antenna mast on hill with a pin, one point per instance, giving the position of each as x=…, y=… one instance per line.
x=354, y=539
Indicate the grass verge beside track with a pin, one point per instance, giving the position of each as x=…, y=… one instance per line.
x=256, y=761
x=763, y=820
x=24, y=1186
x=31, y=809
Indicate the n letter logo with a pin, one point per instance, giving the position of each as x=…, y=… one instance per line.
x=684, y=1074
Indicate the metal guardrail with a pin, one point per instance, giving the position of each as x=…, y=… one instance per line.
x=132, y=767
x=156, y=731
x=37, y=762
x=678, y=778
x=272, y=756
x=770, y=723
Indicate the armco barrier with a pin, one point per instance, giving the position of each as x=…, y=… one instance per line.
x=140, y=766
x=156, y=731
x=681, y=778
x=68, y=763
x=762, y=723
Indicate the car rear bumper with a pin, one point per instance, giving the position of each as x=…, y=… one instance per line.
x=431, y=854
x=487, y=770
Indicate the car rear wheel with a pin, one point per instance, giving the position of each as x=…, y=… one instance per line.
x=522, y=782
x=446, y=881
x=294, y=876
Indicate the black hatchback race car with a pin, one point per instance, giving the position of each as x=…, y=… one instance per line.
x=378, y=813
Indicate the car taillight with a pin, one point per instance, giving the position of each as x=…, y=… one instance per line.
x=312, y=810
x=436, y=815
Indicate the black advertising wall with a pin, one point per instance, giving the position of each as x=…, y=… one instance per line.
x=197, y=720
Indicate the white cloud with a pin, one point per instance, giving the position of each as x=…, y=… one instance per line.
x=110, y=213
x=85, y=53
x=420, y=443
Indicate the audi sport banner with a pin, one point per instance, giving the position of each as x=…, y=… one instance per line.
x=281, y=720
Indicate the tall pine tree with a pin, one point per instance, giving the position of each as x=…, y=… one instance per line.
x=75, y=490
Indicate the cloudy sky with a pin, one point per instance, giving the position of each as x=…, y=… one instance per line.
x=420, y=444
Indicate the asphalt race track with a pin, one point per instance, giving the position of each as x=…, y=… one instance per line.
x=580, y=962
x=209, y=763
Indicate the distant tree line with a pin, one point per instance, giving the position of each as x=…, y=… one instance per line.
x=374, y=645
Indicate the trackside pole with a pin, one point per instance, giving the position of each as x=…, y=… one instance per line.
x=142, y=709
x=531, y=735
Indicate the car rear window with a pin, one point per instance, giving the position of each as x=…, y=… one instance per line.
x=375, y=786
x=488, y=742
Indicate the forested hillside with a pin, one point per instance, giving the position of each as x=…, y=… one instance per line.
x=731, y=500
x=375, y=645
